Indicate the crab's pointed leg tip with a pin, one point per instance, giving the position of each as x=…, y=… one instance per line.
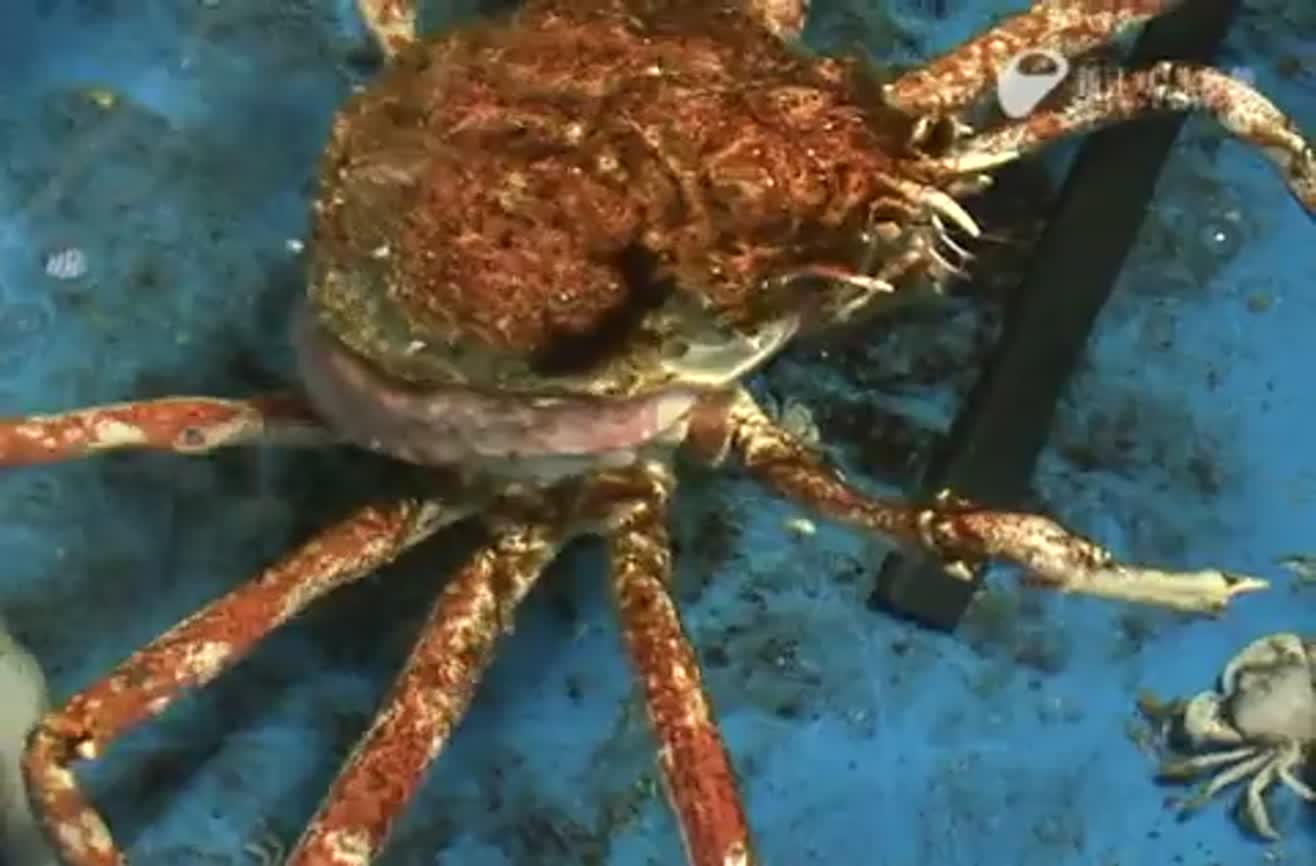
x=1305, y=193
x=1264, y=828
x=1174, y=771
x=1241, y=584
x=1303, y=182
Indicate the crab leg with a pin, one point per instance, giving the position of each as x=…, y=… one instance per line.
x=962, y=535
x=392, y=23
x=1290, y=761
x=1226, y=778
x=430, y=696
x=1108, y=96
x=185, y=425
x=1194, y=765
x=1069, y=27
x=698, y=777
x=1256, y=804
x=192, y=654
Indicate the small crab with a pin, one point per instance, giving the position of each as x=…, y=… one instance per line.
x=546, y=251
x=1260, y=726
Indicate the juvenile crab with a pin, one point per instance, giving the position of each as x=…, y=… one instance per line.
x=546, y=250
x=1260, y=726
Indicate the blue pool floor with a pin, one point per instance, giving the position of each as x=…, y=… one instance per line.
x=173, y=142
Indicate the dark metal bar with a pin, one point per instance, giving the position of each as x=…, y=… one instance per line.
x=991, y=451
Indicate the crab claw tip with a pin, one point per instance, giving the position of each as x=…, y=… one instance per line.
x=1241, y=584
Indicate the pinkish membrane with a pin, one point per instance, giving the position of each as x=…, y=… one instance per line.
x=452, y=426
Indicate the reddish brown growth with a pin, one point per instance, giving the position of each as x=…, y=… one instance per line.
x=517, y=172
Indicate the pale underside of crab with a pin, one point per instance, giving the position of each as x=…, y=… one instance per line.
x=1259, y=727
x=543, y=458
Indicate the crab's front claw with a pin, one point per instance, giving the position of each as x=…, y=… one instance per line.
x=1208, y=591
x=1202, y=722
x=963, y=536
x=1060, y=560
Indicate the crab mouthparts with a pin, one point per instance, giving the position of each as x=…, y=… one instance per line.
x=451, y=425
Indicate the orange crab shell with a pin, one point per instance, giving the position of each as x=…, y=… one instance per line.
x=529, y=195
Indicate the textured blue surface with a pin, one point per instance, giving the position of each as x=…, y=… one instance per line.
x=1187, y=439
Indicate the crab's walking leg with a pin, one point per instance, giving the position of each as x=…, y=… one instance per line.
x=430, y=696
x=192, y=654
x=1068, y=27
x=1180, y=769
x=1104, y=96
x=186, y=425
x=699, y=779
x=963, y=536
x=392, y=23
x=1288, y=766
x=1255, y=802
x=1226, y=778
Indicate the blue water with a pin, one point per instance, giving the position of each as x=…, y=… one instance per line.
x=173, y=143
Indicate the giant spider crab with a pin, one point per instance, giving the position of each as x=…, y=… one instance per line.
x=546, y=250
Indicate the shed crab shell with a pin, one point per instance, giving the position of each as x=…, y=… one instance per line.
x=1258, y=727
